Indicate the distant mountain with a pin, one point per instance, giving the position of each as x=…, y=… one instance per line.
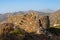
x=46, y=11
x=39, y=12
x=43, y=12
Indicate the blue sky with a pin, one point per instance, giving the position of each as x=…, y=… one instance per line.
x=24, y=5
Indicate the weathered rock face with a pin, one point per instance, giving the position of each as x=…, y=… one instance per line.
x=8, y=32
x=55, y=18
x=30, y=22
x=6, y=27
x=45, y=22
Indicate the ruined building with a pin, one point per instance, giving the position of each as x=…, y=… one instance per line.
x=32, y=22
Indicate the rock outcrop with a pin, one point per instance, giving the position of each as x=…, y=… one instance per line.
x=28, y=27
x=9, y=32
x=6, y=27
x=55, y=18
x=32, y=22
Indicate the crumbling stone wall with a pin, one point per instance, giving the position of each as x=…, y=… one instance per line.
x=32, y=22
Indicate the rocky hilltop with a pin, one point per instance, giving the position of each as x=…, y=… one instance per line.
x=55, y=18
x=32, y=22
x=28, y=26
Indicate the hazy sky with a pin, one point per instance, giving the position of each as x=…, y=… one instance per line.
x=22, y=5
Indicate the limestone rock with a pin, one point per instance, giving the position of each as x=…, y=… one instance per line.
x=30, y=22
x=6, y=27
x=5, y=32
x=44, y=24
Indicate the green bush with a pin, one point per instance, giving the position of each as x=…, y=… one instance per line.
x=57, y=26
x=17, y=31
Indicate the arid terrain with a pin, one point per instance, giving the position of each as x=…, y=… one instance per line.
x=30, y=25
